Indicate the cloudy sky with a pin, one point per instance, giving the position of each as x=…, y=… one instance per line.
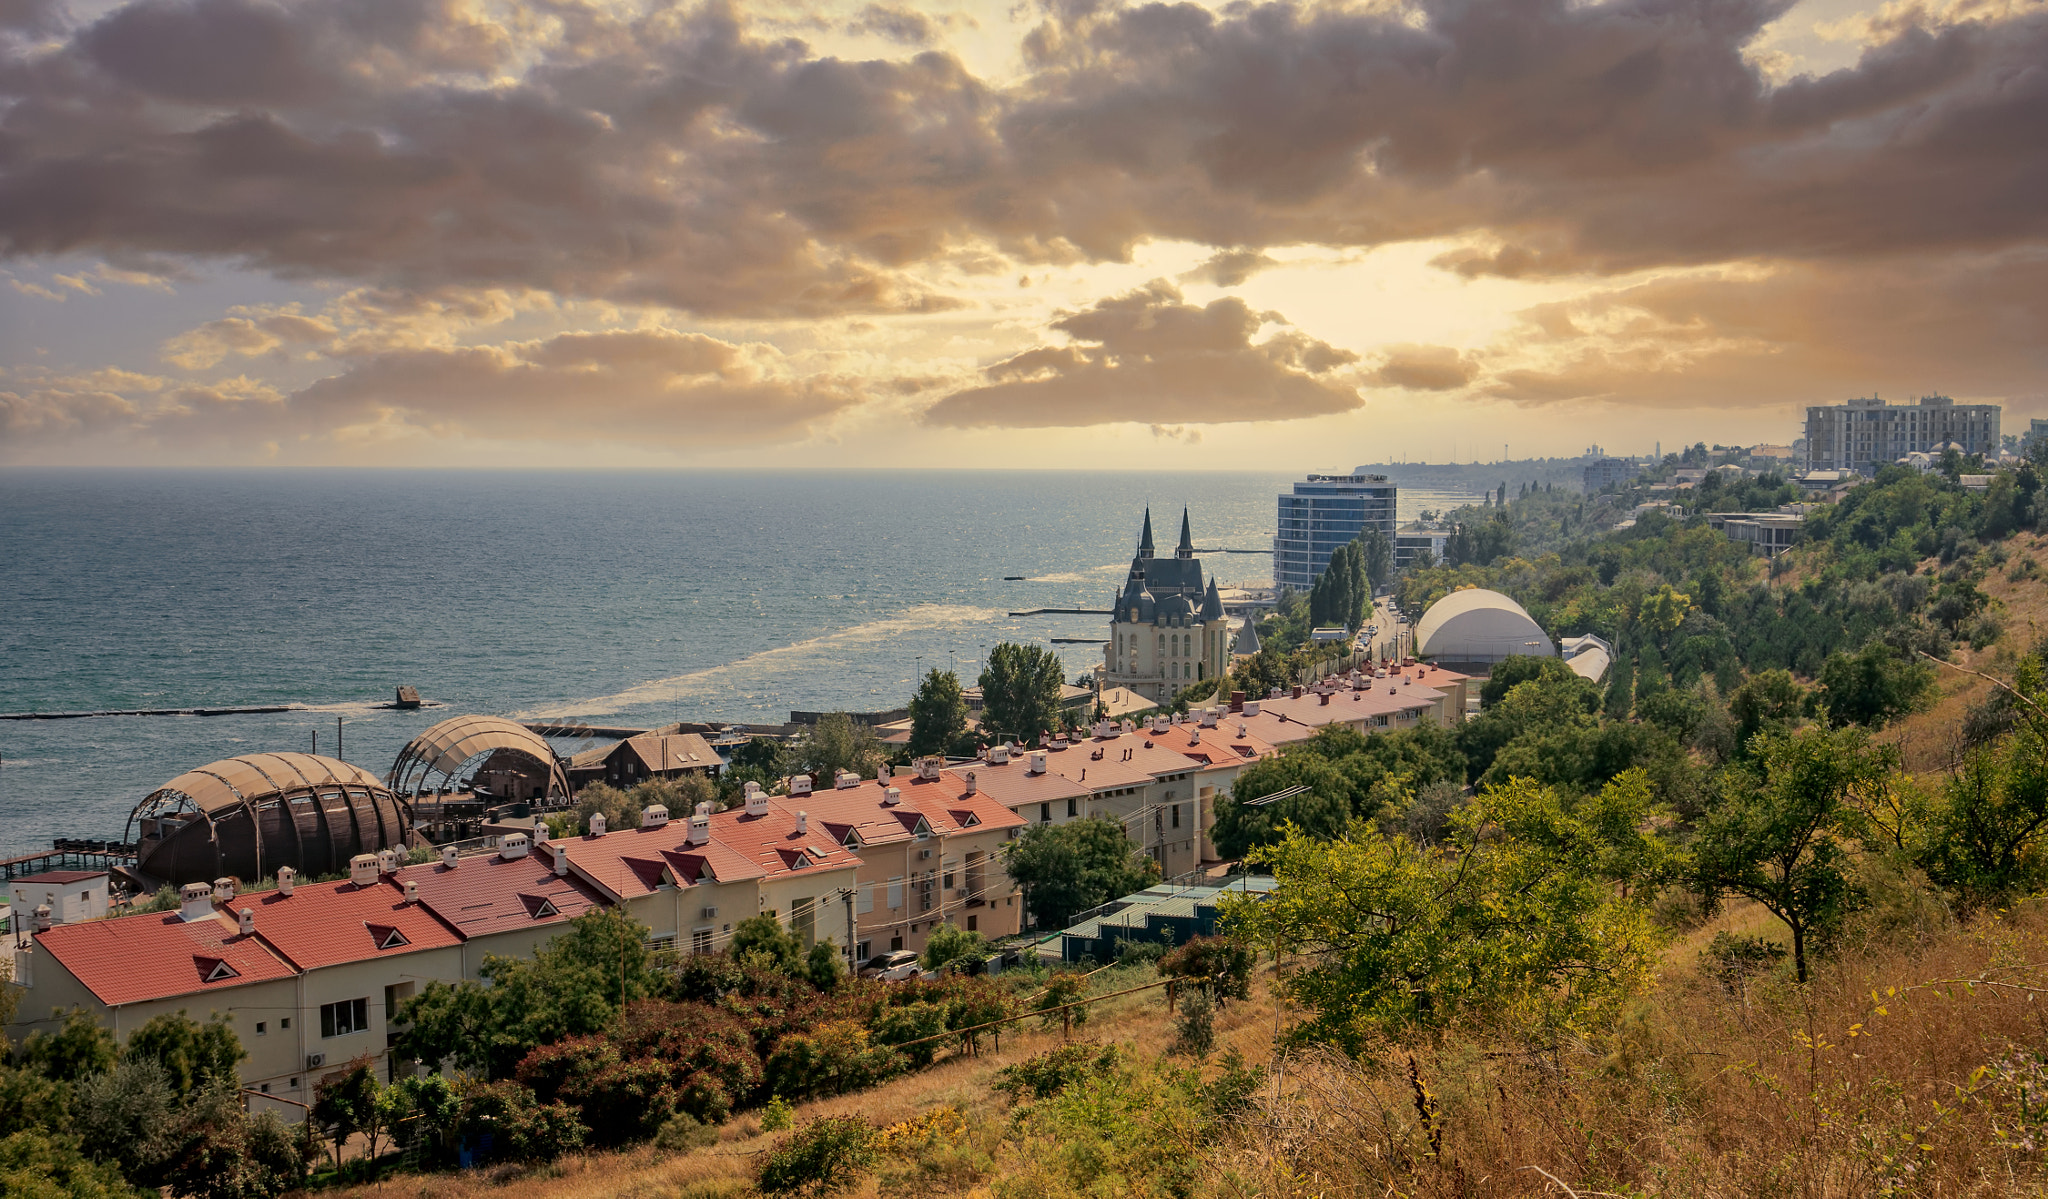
x=1065, y=233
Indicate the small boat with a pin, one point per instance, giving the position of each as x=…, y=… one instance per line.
x=1013, y=578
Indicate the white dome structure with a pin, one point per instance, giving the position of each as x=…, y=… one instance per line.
x=1479, y=626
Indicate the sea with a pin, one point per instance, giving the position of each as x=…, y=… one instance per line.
x=617, y=598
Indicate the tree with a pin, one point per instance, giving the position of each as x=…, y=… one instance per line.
x=42, y=1165
x=1781, y=833
x=1767, y=700
x=618, y=807
x=192, y=1055
x=1531, y=915
x=1243, y=823
x=346, y=1103
x=762, y=941
x=950, y=943
x=78, y=1049
x=1516, y=669
x=1377, y=556
x=938, y=714
x=127, y=1114
x=1071, y=867
x=838, y=742
x=1020, y=692
x=1984, y=835
x=1873, y=686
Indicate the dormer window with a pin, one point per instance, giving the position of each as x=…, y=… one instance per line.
x=214, y=970
x=388, y=937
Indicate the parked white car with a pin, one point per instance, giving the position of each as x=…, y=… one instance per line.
x=894, y=966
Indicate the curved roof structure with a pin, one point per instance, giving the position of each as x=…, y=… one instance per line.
x=249, y=815
x=443, y=753
x=1477, y=625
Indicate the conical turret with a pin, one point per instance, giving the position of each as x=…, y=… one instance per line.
x=1186, y=549
x=1145, y=542
x=1212, y=604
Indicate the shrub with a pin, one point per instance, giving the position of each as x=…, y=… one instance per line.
x=827, y=1155
x=833, y=1058
x=683, y=1131
x=912, y=1022
x=1055, y=1070
x=1734, y=960
x=950, y=943
x=777, y=1115
x=504, y=1119
x=1062, y=989
x=1220, y=966
x=1194, y=1025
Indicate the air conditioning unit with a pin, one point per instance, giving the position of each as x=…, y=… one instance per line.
x=709, y=914
x=924, y=854
x=315, y=1060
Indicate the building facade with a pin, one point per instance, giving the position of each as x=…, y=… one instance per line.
x=1168, y=630
x=1865, y=434
x=1599, y=475
x=1321, y=515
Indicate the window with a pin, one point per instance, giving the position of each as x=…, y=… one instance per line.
x=286, y=1023
x=1044, y=813
x=895, y=943
x=700, y=941
x=948, y=884
x=262, y=1028
x=860, y=951
x=1073, y=807
x=395, y=995
x=341, y=1019
x=1176, y=815
x=972, y=921
x=896, y=895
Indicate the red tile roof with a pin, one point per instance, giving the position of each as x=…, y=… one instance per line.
x=1012, y=784
x=326, y=924
x=638, y=861
x=1125, y=760
x=158, y=955
x=943, y=804
x=485, y=895
x=62, y=876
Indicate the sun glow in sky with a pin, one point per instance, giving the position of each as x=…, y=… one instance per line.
x=1284, y=236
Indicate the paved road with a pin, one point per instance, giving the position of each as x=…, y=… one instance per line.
x=1392, y=639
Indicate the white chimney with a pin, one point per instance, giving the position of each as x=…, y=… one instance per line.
x=883, y=774
x=1251, y=707
x=1208, y=718
x=749, y=788
x=449, y=857
x=362, y=870
x=928, y=768
x=513, y=846
x=757, y=800
x=894, y=795
x=561, y=859
x=700, y=825
x=197, y=902
x=800, y=785
x=842, y=779
x=654, y=815
x=248, y=916
x=42, y=914
x=286, y=877
x=803, y=823
x=540, y=832
x=971, y=786
x=1130, y=726
x=1038, y=761
x=999, y=755
x=597, y=824
x=224, y=890
x=412, y=892
x=387, y=861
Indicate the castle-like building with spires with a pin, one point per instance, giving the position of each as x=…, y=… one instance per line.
x=1169, y=630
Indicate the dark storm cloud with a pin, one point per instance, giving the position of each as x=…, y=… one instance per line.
x=677, y=158
x=1148, y=356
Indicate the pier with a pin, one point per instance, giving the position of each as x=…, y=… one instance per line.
x=1067, y=612
x=70, y=855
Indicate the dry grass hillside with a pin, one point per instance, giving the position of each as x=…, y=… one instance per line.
x=2019, y=595
x=1912, y=1065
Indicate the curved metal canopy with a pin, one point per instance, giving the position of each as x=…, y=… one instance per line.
x=447, y=747
x=248, y=815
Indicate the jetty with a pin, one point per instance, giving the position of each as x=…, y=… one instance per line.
x=70, y=854
x=1067, y=612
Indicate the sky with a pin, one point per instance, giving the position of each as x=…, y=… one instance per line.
x=1071, y=233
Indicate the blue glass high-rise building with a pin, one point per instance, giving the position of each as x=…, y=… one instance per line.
x=1321, y=515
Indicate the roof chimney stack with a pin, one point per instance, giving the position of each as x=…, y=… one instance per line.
x=42, y=915
x=248, y=916
x=803, y=823
x=757, y=799
x=387, y=861
x=1038, y=761
x=700, y=825
x=513, y=846
x=196, y=902
x=892, y=796
x=224, y=890
x=971, y=786
x=412, y=891
x=362, y=870
x=800, y=785
x=286, y=877
x=654, y=815
x=561, y=859
x=597, y=824
x=449, y=857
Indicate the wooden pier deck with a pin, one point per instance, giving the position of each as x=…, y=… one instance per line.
x=69, y=855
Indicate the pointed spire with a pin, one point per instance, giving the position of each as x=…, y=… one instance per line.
x=1187, y=539
x=1145, y=542
x=1212, y=603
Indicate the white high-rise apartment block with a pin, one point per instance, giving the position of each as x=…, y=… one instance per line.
x=1865, y=434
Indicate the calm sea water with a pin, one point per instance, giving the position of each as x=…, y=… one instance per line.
x=633, y=598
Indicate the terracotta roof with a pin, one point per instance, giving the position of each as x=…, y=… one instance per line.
x=1125, y=760
x=1220, y=746
x=1012, y=782
x=326, y=924
x=638, y=861
x=157, y=955
x=62, y=876
x=672, y=751
x=485, y=895
x=943, y=804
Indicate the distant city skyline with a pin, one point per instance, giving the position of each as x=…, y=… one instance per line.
x=968, y=233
